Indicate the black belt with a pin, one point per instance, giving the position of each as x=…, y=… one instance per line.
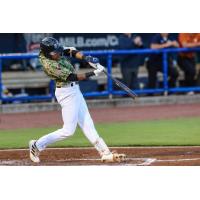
x=72, y=84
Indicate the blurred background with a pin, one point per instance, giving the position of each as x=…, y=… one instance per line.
x=153, y=64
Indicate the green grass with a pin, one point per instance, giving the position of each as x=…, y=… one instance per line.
x=148, y=133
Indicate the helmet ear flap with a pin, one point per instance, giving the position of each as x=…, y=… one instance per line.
x=47, y=55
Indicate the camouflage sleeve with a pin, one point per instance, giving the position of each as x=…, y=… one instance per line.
x=53, y=70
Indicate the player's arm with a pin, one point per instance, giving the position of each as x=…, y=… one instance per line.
x=73, y=52
x=80, y=77
x=65, y=76
x=84, y=76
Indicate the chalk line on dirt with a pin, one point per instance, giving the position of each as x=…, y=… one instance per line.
x=178, y=160
x=145, y=161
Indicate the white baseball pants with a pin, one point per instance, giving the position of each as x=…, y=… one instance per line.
x=74, y=110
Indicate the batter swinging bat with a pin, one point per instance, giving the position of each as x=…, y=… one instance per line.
x=118, y=83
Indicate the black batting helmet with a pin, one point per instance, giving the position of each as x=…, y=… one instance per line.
x=50, y=44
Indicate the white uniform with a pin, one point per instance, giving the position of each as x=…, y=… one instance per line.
x=74, y=111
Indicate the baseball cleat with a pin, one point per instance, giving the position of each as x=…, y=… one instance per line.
x=113, y=157
x=119, y=157
x=34, y=152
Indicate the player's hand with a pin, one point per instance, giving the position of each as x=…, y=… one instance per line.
x=99, y=70
x=91, y=59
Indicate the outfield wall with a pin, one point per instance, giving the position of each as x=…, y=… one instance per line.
x=103, y=103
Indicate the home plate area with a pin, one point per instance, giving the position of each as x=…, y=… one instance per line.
x=136, y=156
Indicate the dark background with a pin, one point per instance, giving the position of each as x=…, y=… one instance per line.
x=24, y=42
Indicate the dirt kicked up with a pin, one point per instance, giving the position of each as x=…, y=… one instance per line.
x=136, y=156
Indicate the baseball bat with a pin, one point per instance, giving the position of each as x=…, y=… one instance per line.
x=121, y=85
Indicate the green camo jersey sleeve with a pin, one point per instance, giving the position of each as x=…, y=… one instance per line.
x=57, y=70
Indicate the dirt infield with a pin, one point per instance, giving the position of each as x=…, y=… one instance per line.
x=136, y=156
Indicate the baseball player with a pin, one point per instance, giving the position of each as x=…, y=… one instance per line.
x=56, y=64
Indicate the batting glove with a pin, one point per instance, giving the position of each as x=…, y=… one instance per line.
x=99, y=69
x=91, y=59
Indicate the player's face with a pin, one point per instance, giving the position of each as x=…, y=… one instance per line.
x=55, y=55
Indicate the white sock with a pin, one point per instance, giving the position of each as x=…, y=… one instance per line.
x=101, y=147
